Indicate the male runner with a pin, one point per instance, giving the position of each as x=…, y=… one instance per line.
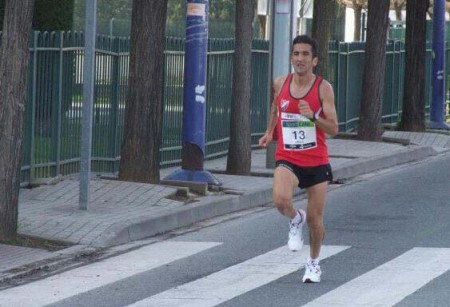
x=303, y=111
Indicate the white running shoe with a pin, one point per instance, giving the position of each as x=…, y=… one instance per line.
x=295, y=242
x=312, y=273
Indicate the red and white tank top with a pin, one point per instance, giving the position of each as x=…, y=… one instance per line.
x=299, y=140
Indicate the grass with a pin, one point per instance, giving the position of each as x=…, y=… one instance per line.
x=34, y=242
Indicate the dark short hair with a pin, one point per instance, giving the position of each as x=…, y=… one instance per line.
x=305, y=39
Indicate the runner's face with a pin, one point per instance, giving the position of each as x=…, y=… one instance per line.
x=302, y=59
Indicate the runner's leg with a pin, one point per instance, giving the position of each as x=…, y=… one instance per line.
x=284, y=183
x=316, y=205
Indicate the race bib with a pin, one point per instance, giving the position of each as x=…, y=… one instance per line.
x=299, y=133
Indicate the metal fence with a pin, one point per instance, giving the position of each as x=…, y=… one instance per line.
x=346, y=69
x=398, y=31
x=53, y=112
x=52, y=131
x=346, y=75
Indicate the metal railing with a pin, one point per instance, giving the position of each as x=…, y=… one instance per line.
x=346, y=67
x=53, y=114
x=52, y=134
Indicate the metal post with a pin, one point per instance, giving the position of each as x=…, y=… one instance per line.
x=59, y=105
x=281, y=38
x=437, y=108
x=263, y=13
x=88, y=101
x=363, y=27
x=301, y=13
x=294, y=23
x=111, y=21
x=33, y=108
x=194, y=102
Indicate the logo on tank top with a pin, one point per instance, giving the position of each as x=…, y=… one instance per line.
x=284, y=104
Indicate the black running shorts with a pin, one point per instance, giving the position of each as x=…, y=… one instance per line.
x=308, y=176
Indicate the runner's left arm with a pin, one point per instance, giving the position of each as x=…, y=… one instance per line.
x=329, y=125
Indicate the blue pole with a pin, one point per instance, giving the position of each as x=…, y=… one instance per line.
x=194, y=103
x=437, y=109
x=194, y=111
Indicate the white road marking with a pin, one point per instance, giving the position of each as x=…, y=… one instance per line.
x=391, y=282
x=236, y=280
x=89, y=277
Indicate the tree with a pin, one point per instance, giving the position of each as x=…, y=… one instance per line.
x=324, y=18
x=14, y=55
x=413, y=115
x=116, y=13
x=359, y=5
x=220, y=18
x=374, y=71
x=53, y=15
x=49, y=15
x=239, y=150
x=398, y=6
x=430, y=8
x=143, y=111
x=176, y=10
x=218, y=10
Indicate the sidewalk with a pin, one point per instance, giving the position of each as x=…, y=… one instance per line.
x=121, y=212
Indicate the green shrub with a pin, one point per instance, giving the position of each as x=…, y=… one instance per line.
x=50, y=15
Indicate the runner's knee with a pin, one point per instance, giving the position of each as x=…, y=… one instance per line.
x=314, y=221
x=281, y=202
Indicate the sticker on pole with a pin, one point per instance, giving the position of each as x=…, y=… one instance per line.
x=196, y=9
x=200, y=93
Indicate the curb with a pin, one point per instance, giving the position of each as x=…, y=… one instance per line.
x=211, y=206
x=208, y=207
x=373, y=164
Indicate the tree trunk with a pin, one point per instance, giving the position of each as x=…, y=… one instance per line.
x=358, y=24
x=374, y=71
x=398, y=11
x=324, y=17
x=239, y=150
x=140, y=156
x=262, y=25
x=14, y=56
x=413, y=115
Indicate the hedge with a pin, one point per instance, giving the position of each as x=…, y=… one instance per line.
x=49, y=15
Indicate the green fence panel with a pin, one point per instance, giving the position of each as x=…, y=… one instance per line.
x=261, y=84
x=51, y=144
x=447, y=80
x=72, y=80
x=111, y=82
x=398, y=32
x=428, y=77
x=347, y=63
x=219, y=94
x=47, y=104
x=173, y=102
x=393, y=81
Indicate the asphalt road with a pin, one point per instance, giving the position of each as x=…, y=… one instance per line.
x=387, y=244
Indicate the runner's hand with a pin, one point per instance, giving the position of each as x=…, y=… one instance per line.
x=305, y=109
x=265, y=140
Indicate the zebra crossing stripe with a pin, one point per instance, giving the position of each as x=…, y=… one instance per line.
x=391, y=282
x=236, y=280
x=89, y=277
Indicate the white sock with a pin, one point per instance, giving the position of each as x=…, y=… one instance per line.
x=312, y=261
x=297, y=219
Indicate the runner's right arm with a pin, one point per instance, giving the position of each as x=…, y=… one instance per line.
x=265, y=140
